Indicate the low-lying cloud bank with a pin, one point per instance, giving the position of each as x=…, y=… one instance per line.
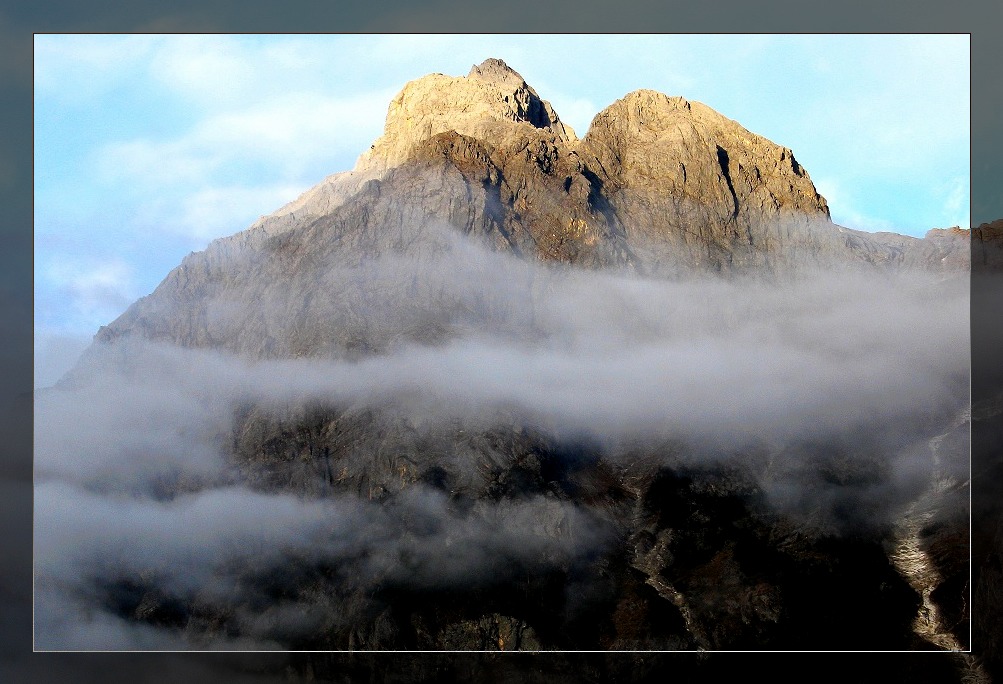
x=137, y=493
x=258, y=559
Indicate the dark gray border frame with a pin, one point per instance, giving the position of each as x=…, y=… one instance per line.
x=19, y=22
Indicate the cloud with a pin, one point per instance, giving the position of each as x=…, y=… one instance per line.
x=215, y=212
x=93, y=288
x=104, y=560
x=206, y=183
x=153, y=162
x=144, y=517
x=604, y=353
x=225, y=73
x=55, y=354
x=208, y=70
x=290, y=134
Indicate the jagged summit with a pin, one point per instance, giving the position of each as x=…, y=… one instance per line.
x=486, y=105
x=682, y=152
x=686, y=152
x=659, y=183
x=536, y=110
x=494, y=70
x=492, y=103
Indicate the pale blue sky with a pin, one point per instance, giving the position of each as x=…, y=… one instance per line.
x=147, y=147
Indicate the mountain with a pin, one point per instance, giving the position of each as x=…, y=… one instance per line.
x=659, y=186
x=629, y=391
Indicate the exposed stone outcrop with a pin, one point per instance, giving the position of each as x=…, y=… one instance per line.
x=651, y=143
x=987, y=247
x=482, y=105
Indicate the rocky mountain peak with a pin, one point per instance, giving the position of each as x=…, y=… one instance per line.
x=660, y=183
x=490, y=103
x=495, y=70
x=684, y=148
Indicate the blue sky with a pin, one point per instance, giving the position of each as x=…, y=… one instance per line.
x=148, y=147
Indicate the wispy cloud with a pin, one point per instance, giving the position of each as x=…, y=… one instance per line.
x=139, y=493
x=207, y=71
x=74, y=295
x=291, y=134
x=93, y=288
x=218, y=211
x=55, y=353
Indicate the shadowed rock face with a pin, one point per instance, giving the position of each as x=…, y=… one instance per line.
x=476, y=180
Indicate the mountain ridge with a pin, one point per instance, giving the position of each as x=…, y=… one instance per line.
x=437, y=104
x=659, y=185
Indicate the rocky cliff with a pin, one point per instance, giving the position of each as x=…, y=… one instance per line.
x=479, y=214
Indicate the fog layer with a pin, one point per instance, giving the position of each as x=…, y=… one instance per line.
x=138, y=492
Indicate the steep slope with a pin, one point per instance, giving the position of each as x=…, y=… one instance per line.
x=481, y=105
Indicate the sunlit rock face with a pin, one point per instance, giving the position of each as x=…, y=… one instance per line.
x=490, y=103
x=503, y=388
